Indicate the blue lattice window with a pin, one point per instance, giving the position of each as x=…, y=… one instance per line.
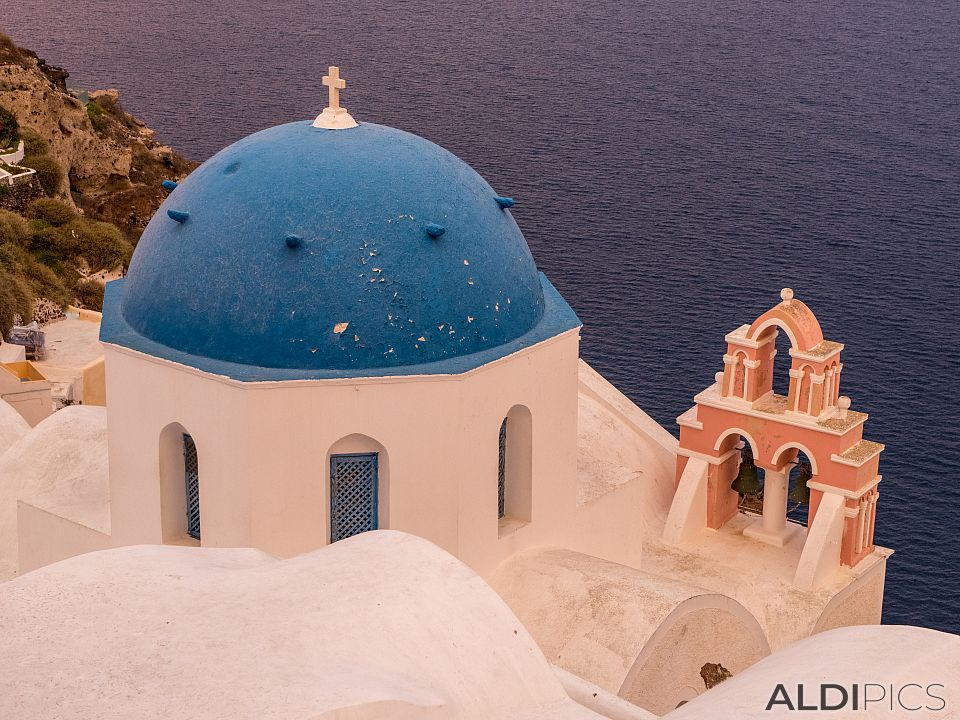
x=191, y=474
x=502, y=469
x=353, y=495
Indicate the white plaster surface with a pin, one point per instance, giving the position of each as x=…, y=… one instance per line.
x=379, y=625
x=612, y=624
x=12, y=428
x=600, y=700
x=12, y=353
x=759, y=576
x=688, y=512
x=880, y=654
x=625, y=473
x=71, y=345
x=59, y=467
x=610, y=453
x=821, y=552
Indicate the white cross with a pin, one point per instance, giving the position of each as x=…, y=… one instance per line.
x=336, y=84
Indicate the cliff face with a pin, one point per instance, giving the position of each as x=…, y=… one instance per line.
x=111, y=159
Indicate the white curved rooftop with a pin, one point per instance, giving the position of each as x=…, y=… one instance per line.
x=59, y=466
x=380, y=625
x=879, y=654
x=614, y=624
x=12, y=427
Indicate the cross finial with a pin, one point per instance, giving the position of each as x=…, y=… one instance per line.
x=333, y=116
x=336, y=84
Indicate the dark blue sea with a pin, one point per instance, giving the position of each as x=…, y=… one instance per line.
x=676, y=162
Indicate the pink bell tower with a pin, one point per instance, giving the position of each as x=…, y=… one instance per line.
x=812, y=417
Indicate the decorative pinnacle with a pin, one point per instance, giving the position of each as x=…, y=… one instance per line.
x=333, y=116
x=843, y=404
x=786, y=295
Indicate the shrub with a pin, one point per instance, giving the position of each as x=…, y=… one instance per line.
x=96, y=115
x=23, y=279
x=16, y=298
x=45, y=282
x=48, y=170
x=13, y=229
x=54, y=244
x=33, y=142
x=90, y=295
x=101, y=244
x=55, y=212
x=8, y=129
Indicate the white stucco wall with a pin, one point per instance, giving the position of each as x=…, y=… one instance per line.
x=46, y=537
x=264, y=451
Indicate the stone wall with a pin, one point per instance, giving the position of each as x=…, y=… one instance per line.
x=16, y=197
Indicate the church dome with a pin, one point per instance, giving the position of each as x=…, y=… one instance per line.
x=307, y=248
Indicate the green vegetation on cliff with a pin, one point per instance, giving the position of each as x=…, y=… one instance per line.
x=36, y=156
x=97, y=183
x=8, y=130
x=48, y=254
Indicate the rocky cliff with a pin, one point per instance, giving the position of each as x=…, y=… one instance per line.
x=111, y=162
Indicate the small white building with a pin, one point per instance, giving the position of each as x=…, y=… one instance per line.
x=330, y=328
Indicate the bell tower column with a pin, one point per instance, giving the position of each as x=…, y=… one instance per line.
x=773, y=528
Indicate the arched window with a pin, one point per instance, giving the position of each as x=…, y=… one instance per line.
x=191, y=476
x=502, y=469
x=515, y=468
x=179, y=485
x=359, y=493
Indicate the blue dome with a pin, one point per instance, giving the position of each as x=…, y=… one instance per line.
x=310, y=249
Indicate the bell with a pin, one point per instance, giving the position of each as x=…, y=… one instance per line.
x=801, y=493
x=747, y=481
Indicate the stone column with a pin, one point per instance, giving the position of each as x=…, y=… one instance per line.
x=796, y=386
x=749, y=393
x=775, y=500
x=730, y=375
x=773, y=527
x=828, y=389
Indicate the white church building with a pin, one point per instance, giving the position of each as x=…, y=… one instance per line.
x=334, y=327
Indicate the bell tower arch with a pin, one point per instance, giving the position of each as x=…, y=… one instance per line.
x=841, y=480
